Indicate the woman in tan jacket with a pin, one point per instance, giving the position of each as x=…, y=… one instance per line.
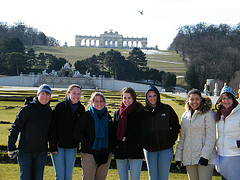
x=196, y=146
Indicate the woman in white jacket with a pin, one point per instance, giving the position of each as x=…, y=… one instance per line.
x=196, y=145
x=228, y=132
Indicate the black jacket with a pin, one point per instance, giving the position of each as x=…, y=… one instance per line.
x=132, y=147
x=160, y=128
x=33, y=122
x=63, y=124
x=85, y=133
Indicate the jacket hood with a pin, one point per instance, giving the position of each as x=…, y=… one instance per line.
x=148, y=105
x=30, y=100
x=204, y=107
x=33, y=100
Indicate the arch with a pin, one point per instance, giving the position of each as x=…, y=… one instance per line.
x=110, y=39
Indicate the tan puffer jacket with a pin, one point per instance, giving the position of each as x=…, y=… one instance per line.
x=198, y=135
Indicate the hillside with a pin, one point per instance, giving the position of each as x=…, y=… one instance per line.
x=168, y=61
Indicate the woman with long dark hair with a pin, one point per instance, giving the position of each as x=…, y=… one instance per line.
x=228, y=131
x=196, y=145
x=128, y=149
x=161, y=128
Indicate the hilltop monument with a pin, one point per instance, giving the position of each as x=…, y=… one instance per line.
x=110, y=40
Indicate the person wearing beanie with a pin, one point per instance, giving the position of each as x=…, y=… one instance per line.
x=44, y=87
x=196, y=145
x=63, y=146
x=228, y=134
x=161, y=128
x=32, y=123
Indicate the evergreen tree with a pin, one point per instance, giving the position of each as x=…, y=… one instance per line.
x=113, y=59
x=16, y=63
x=169, y=80
x=192, y=78
x=12, y=45
x=137, y=57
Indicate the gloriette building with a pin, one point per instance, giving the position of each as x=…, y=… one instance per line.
x=110, y=40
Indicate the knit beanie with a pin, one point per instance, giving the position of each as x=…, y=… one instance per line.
x=44, y=87
x=227, y=89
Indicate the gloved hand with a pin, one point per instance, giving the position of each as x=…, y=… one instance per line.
x=203, y=161
x=238, y=143
x=178, y=165
x=12, y=154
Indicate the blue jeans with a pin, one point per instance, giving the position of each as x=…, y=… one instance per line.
x=159, y=163
x=135, y=168
x=31, y=165
x=229, y=167
x=63, y=163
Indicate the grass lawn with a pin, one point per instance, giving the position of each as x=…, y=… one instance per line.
x=11, y=171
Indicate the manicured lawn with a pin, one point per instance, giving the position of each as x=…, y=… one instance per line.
x=11, y=171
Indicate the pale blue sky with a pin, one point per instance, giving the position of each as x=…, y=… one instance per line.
x=65, y=19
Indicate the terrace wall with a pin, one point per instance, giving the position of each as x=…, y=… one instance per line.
x=100, y=83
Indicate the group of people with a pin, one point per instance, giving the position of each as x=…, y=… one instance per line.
x=209, y=139
x=136, y=131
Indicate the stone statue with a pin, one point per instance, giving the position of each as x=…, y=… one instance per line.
x=54, y=73
x=44, y=72
x=206, y=91
x=216, y=90
x=77, y=74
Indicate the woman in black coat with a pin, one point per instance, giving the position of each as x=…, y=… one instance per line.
x=161, y=128
x=94, y=131
x=128, y=150
x=63, y=146
x=32, y=123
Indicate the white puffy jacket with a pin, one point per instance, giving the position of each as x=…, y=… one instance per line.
x=228, y=132
x=198, y=135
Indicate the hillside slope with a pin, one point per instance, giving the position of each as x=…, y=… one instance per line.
x=168, y=61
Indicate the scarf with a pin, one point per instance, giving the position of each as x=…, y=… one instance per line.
x=122, y=125
x=101, y=127
x=223, y=111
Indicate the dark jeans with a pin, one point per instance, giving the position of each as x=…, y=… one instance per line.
x=31, y=165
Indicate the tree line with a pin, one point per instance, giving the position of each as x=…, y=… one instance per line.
x=132, y=68
x=209, y=51
x=14, y=59
x=28, y=35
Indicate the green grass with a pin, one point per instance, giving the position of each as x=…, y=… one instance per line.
x=4, y=131
x=11, y=171
x=173, y=60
